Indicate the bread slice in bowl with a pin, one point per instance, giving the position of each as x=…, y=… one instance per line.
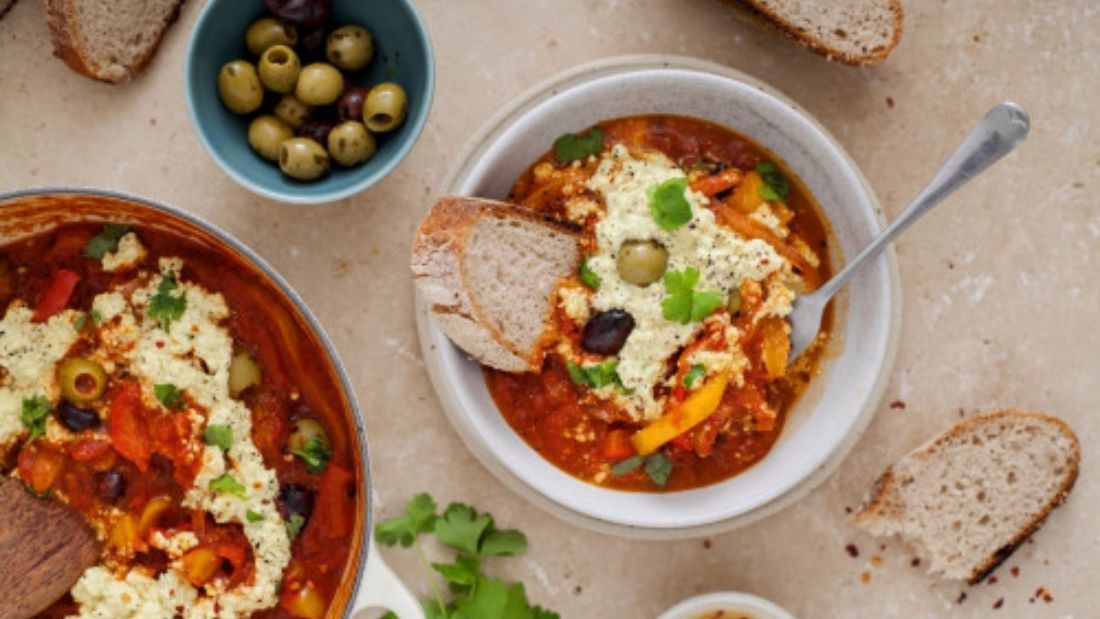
x=490, y=271
x=970, y=496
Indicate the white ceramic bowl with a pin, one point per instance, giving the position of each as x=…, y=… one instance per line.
x=839, y=403
x=729, y=601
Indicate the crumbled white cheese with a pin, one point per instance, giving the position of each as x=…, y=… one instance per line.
x=575, y=302
x=28, y=353
x=722, y=258
x=779, y=301
x=137, y=596
x=108, y=305
x=765, y=216
x=129, y=254
x=578, y=209
x=176, y=544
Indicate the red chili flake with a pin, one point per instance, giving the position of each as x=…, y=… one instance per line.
x=897, y=405
x=852, y=550
x=962, y=597
x=706, y=544
x=890, y=102
x=915, y=562
x=999, y=603
x=865, y=577
x=992, y=580
x=1015, y=571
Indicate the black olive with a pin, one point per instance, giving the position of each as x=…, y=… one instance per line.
x=77, y=419
x=606, y=332
x=311, y=46
x=350, y=106
x=317, y=130
x=301, y=12
x=295, y=500
x=110, y=485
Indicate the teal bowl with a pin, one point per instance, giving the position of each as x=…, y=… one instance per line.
x=403, y=54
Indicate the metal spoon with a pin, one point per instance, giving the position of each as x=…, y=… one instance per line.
x=1001, y=129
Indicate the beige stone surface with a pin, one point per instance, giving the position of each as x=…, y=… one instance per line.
x=1001, y=306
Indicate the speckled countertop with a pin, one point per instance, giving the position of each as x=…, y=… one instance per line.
x=1001, y=307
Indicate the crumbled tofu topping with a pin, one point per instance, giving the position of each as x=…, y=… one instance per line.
x=28, y=353
x=129, y=254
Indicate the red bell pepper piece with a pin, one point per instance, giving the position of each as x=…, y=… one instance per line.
x=128, y=428
x=57, y=295
x=616, y=446
x=335, y=509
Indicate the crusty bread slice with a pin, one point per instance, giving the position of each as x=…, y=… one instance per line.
x=970, y=496
x=855, y=32
x=5, y=6
x=109, y=41
x=490, y=270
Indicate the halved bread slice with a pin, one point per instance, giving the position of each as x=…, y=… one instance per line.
x=970, y=496
x=108, y=41
x=490, y=271
x=855, y=32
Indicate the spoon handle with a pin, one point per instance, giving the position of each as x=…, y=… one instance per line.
x=1001, y=129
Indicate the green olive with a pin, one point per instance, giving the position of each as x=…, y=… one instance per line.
x=82, y=380
x=733, y=303
x=319, y=84
x=239, y=87
x=244, y=371
x=305, y=430
x=385, y=107
x=292, y=111
x=349, y=47
x=279, y=68
x=266, y=133
x=303, y=159
x=350, y=144
x=263, y=33
x=642, y=262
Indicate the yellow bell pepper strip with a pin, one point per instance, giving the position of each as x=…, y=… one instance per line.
x=693, y=411
x=776, y=347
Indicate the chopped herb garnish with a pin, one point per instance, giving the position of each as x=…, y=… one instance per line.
x=656, y=466
x=419, y=517
x=227, y=484
x=775, y=187
x=587, y=276
x=81, y=320
x=595, y=376
x=684, y=304
x=165, y=306
x=629, y=465
x=668, y=205
x=571, y=146
x=253, y=517
x=169, y=395
x=35, y=411
x=218, y=435
x=693, y=375
x=106, y=241
x=294, y=525
x=314, y=454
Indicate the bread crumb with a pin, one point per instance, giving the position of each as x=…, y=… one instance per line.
x=999, y=603
x=897, y=405
x=890, y=102
x=1015, y=571
x=876, y=561
x=865, y=577
x=852, y=550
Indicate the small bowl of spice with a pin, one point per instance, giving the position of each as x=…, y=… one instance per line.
x=726, y=605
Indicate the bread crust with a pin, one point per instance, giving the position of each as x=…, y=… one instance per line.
x=61, y=19
x=4, y=11
x=763, y=16
x=439, y=272
x=876, y=505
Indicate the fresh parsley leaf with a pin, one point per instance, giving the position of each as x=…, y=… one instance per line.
x=595, y=376
x=658, y=468
x=35, y=411
x=493, y=598
x=680, y=282
x=693, y=375
x=168, y=394
x=775, y=187
x=625, y=467
x=227, y=484
x=668, y=205
x=587, y=276
x=463, y=572
x=106, y=241
x=461, y=527
x=684, y=304
x=80, y=321
x=218, y=435
x=96, y=317
x=254, y=517
x=704, y=303
x=576, y=374
x=419, y=518
x=165, y=306
x=571, y=146
x=498, y=543
x=294, y=525
x=314, y=453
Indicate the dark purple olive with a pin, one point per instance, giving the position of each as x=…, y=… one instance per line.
x=350, y=106
x=295, y=500
x=77, y=419
x=301, y=12
x=311, y=45
x=606, y=332
x=317, y=130
x=110, y=485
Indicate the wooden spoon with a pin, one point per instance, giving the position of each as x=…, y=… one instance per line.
x=45, y=546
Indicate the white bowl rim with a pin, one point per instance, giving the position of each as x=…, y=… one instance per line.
x=715, y=601
x=431, y=338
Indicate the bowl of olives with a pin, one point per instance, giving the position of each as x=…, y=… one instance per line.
x=308, y=101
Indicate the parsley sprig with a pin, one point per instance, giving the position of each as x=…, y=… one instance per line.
x=35, y=411
x=166, y=306
x=667, y=204
x=587, y=276
x=656, y=466
x=571, y=146
x=169, y=395
x=474, y=537
x=684, y=304
x=775, y=187
x=314, y=453
x=106, y=241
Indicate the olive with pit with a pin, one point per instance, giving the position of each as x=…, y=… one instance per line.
x=110, y=485
x=279, y=69
x=265, y=135
x=239, y=87
x=244, y=372
x=303, y=159
x=642, y=262
x=292, y=111
x=350, y=106
x=319, y=84
x=349, y=47
x=268, y=31
x=385, y=107
x=306, y=430
x=606, y=332
x=77, y=419
x=81, y=380
x=350, y=144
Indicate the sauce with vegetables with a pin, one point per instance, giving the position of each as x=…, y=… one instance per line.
x=159, y=387
x=666, y=354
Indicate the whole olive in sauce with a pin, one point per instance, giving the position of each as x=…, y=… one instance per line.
x=77, y=419
x=301, y=12
x=295, y=499
x=642, y=262
x=606, y=332
x=110, y=485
